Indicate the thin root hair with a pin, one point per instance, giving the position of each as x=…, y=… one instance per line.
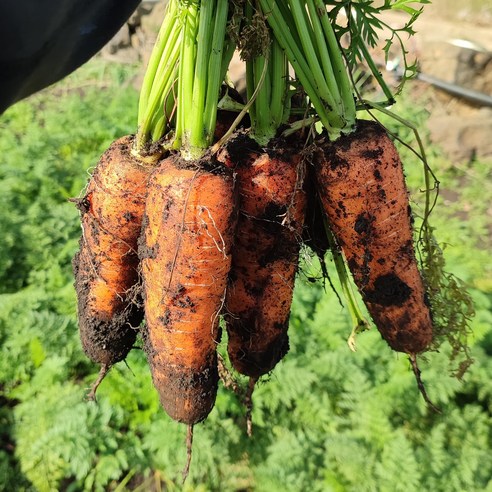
x=420, y=383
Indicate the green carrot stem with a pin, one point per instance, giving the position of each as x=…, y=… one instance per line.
x=160, y=70
x=187, y=76
x=269, y=105
x=309, y=51
x=200, y=75
x=215, y=148
x=279, y=78
x=179, y=125
x=159, y=94
x=288, y=19
x=284, y=29
x=187, y=67
x=261, y=125
x=266, y=77
x=195, y=125
x=251, y=83
x=163, y=120
x=358, y=320
x=229, y=48
x=286, y=35
x=168, y=59
x=155, y=57
x=186, y=72
x=215, y=66
x=376, y=73
x=316, y=59
x=166, y=70
x=299, y=125
x=324, y=52
x=340, y=71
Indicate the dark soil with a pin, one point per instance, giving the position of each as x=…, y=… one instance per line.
x=250, y=361
x=240, y=151
x=389, y=290
x=105, y=341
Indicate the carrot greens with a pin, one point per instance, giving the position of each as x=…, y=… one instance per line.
x=156, y=95
x=180, y=92
x=268, y=110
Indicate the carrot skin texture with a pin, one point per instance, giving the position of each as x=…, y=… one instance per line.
x=265, y=259
x=362, y=188
x=106, y=265
x=185, y=253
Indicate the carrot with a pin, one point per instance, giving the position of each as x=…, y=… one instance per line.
x=363, y=192
x=106, y=266
x=185, y=253
x=265, y=257
x=272, y=204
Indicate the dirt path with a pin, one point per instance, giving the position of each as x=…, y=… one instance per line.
x=461, y=128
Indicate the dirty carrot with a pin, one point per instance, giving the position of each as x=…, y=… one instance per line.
x=359, y=179
x=265, y=259
x=272, y=203
x=362, y=188
x=186, y=254
x=187, y=232
x=106, y=266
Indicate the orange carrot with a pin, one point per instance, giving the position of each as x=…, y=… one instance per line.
x=265, y=257
x=106, y=266
x=362, y=188
x=185, y=255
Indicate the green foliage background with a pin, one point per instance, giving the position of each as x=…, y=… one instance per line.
x=327, y=419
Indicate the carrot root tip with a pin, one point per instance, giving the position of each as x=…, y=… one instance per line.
x=189, y=449
x=91, y=396
x=421, y=385
x=248, y=402
x=226, y=377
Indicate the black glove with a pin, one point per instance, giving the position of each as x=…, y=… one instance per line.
x=42, y=41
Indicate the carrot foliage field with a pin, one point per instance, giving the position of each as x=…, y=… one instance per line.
x=327, y=419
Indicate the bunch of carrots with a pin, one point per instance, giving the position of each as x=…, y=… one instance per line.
x=200, y=216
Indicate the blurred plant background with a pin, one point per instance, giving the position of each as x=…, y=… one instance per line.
x=327, y=419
